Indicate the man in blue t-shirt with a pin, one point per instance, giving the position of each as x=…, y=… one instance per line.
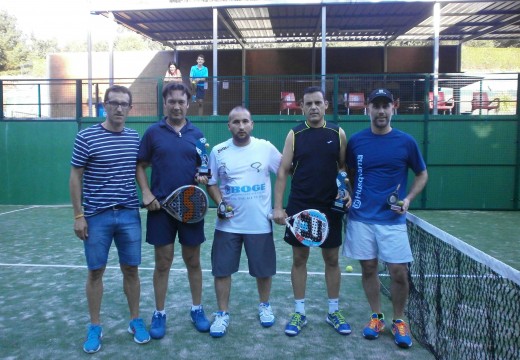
x=198, y=77
x=103, y=175
x=378, y=159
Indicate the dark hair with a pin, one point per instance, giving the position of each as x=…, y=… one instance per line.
x=172, y=63
x=172, y=86
x=120, y=89
x=313, y=89
x=202, y=56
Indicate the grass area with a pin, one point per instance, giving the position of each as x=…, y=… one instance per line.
x=490, y=59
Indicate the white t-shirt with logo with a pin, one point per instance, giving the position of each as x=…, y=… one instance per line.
x=244, y=177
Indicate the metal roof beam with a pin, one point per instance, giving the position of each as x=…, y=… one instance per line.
x=492, y=29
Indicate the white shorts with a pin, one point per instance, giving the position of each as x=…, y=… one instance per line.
x=388, y=243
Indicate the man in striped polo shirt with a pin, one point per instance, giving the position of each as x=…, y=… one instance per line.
x=103, y=174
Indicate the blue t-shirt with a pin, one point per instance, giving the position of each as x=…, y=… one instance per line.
x=195, y=72
x=172, y=154
x=381, y=163
x=109, y=160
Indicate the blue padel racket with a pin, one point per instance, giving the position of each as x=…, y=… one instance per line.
x=187, y=204
x=310, y=227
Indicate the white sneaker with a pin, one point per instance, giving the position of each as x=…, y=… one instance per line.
x=265, y=314
x=220, y=324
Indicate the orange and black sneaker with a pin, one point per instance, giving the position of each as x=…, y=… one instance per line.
x=401, y=333
x=374, y=327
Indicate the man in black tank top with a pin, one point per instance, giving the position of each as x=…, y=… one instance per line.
x=313, y=154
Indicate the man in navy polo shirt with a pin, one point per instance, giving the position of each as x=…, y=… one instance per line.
x=169, y=146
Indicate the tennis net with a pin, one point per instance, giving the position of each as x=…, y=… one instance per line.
x=463, y=304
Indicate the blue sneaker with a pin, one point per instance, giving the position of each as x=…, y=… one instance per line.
x=374, y=327
x=401, y=334
x=93, y=342
x=198, y=318
x=293, y=327
x=158, y=325
x=220, y=324
x=338, y=322
x=138, y=329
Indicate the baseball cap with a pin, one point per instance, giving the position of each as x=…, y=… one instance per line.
x=380, y=93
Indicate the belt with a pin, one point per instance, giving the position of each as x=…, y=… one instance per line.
x=117, y=207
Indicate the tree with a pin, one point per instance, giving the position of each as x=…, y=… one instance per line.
x=13, y=50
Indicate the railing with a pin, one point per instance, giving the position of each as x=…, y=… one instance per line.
x=69, y=99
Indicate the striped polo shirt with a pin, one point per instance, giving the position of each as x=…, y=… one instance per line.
x=109, y=161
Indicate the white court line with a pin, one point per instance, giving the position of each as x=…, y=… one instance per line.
x=13, y=211
x=149, y=268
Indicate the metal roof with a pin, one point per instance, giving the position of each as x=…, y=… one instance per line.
x=257, y=24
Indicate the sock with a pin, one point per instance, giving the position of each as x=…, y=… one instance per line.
x=196, y=307
x=162, y=312
x=266, y=304
x=333, y=305
x=299, y=306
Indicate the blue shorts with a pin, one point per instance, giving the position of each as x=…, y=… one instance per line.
x=388, y=243
x=124, y=227
x=227, y=248
x=333, y=240
x=201, y=92
x=162, y=229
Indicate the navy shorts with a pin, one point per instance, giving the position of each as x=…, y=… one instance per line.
x=162, y=229
x=227, y=248
x=201, y=92
x=335, y=232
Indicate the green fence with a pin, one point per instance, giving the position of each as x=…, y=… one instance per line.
x=473, y=162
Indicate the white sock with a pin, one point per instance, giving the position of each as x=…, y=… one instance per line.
x=196, y=307
x=299, y=306
x=162, y=312
x=333, y=305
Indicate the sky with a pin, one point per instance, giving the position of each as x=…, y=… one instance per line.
x=65, y=20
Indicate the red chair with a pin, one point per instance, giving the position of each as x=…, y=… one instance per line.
x=442, y=103
x=355, y=101
x=481, y=101
x=288, y=102
x=397, y=103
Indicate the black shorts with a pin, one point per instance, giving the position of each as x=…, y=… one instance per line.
x=333, y=240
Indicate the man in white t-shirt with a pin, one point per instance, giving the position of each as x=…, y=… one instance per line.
x=241, y=186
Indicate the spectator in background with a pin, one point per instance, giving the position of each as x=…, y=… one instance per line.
x=173, y=73
x=198, y=76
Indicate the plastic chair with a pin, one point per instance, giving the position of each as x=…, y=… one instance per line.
x=397, y=102
x=481, y=101
x=288, y=102
x=442, y=103
x=356, y=101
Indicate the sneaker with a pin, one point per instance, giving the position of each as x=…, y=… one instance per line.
x=93, y=342
x=265, y=314
x=199, y=319
x=220, y=324
x=401, y=334
x=194, y=98
x=293, y=327
x=338, y=322
x=138, y=329
x=374, y=327
x=158, y=325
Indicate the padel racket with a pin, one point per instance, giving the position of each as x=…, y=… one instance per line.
x=188, y=204
x=310, y=227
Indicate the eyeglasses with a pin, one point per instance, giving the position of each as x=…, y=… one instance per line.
x=115, y=104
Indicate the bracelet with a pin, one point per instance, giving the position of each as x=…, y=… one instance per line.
x=79, y=216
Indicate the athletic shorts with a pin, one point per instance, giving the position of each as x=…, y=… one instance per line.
x=334, y=239
x=162, y=229
x=227, y=248
x=201, y=92
x=123, y=226
x=388, y=243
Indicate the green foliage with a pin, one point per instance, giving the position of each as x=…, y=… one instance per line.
x=13, y=52
x=490, y=59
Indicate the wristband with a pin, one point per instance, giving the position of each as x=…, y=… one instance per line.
x=79, y=216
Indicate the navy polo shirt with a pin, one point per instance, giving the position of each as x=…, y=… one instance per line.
x=172, y=154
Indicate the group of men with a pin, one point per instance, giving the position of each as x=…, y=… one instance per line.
x=109, y=157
